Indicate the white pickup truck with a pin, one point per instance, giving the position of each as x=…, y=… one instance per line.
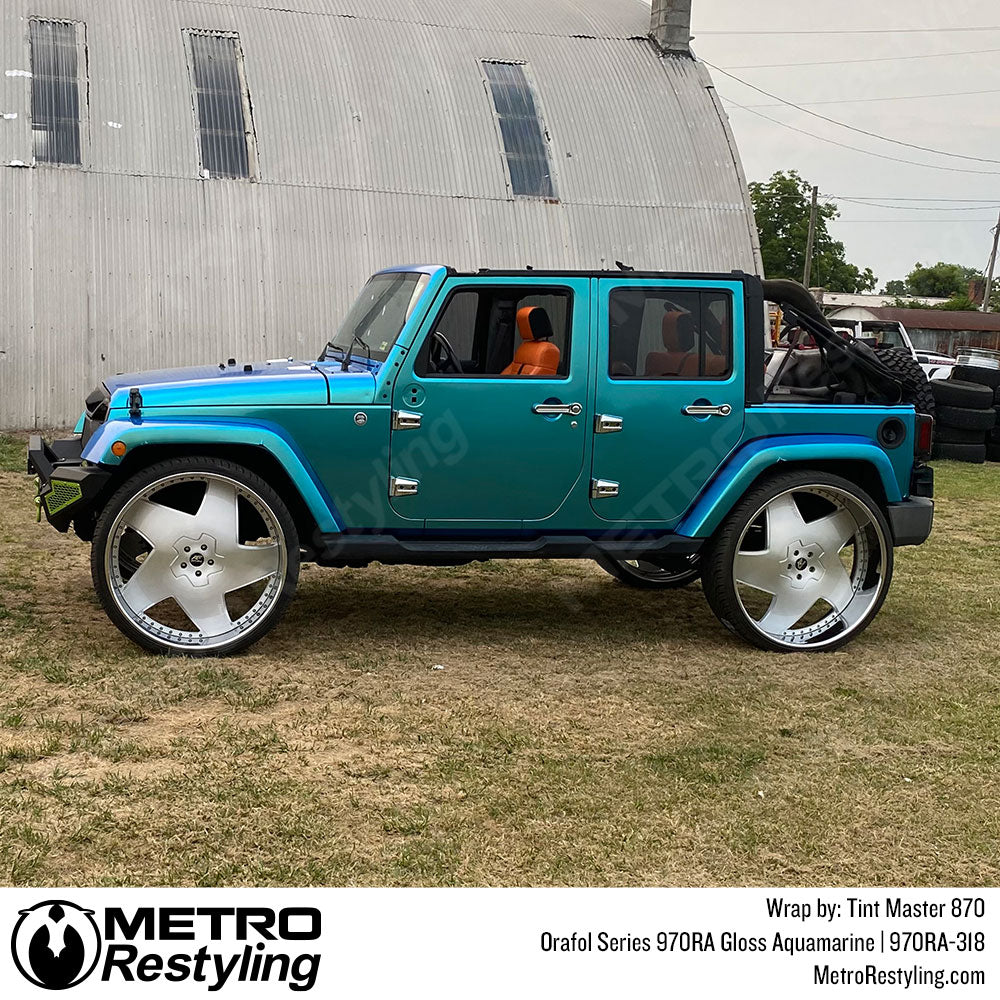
x=879, y=333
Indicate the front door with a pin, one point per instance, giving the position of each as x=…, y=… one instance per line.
x=670, y=394
x=490, y=406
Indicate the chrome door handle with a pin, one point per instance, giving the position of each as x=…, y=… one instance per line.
x=551, y=409
x=697, y=410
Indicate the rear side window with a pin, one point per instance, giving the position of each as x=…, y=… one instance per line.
x=484, y=327
x=670, y=333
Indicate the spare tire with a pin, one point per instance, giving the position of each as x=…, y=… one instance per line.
x=981, y=376
x=973, y=420
x=906, y=369
x=967, y=394
x=975, y=453
x=958, y=435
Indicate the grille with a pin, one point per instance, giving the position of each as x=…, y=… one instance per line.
x=62, y=495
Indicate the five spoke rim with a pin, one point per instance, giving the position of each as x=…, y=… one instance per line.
x=819, y=554
x=196, y=559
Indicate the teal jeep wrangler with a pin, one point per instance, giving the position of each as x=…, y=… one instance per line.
x=643, y=420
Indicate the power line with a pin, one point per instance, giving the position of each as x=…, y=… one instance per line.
x=909, y=208
x=875, y=59
x=851, y=128
x=847, y=31
x=858, y=149
x=872, y=100
x=989, y=202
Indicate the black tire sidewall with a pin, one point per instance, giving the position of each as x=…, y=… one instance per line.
x=180, y=466
x=621, y=573
x=954, y=392
x=721, y=550
x=979, y=376
x=965, y=418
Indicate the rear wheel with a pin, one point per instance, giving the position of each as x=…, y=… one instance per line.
x=195, y=556
x=803, y=563
x=647, y=575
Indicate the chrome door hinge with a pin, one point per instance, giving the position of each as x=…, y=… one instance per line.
x=399, y=487
x=603, y=489
x=604, y=423
x=402, y=420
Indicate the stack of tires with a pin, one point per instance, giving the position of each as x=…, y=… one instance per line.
x=966, y=414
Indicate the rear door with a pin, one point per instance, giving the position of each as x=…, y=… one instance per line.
x=670, y=394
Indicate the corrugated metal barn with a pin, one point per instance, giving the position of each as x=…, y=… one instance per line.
x=184, y=182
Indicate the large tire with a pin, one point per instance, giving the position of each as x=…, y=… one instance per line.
x=195, y=556
x=967, y=394
x=650, y=576
x=974, y=453
x=993, y=453
x=980, y=376
x=944, y=434
x=916, y=387
x=777, y=563
x=960, y=416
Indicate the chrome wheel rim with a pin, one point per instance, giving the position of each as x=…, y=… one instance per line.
x=196, y=560
x=810, y=566
x=650, y=572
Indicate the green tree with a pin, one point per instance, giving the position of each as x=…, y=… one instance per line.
x=781, y=206
x=942, y=281
x=895, y=288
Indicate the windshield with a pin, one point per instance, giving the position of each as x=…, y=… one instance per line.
x=379, y=315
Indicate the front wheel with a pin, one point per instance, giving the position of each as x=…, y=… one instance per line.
x=802, y=563
x=195, y=556
x=647, y=575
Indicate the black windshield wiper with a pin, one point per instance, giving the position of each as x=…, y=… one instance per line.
x=358, y=339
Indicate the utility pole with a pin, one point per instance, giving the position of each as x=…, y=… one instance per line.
x=807, y=272
x=989, y=271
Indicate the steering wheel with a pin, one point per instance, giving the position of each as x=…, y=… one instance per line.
x=443, y=356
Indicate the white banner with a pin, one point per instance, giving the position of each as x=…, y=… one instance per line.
x=462, y=943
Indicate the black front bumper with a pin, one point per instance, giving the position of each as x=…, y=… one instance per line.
x=911, y=520
x=68, y=488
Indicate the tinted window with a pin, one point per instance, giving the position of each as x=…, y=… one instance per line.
x=666, y=333
x=222, y=105
x=483, y=327
x=55, y=92
x=525, y=143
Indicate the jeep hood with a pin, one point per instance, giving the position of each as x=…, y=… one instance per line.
x=284, y=383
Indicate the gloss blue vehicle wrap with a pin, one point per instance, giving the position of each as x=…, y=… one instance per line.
x=486, y=462
x=154, y=431
x=758, y=456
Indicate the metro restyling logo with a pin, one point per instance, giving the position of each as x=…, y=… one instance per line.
x=57, y=944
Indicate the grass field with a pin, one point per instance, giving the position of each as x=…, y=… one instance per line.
x=579, y=733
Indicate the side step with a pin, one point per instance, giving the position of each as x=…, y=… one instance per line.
x=360, y=550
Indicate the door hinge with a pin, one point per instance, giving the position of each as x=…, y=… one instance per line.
x=603, y=489
x=605, y=423
x=399, y=487
x=403, y=420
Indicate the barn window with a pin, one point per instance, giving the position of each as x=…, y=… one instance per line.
x=55, y=91
x=222, y=106
x=525, y=141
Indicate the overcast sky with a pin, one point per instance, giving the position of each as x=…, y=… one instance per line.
x=889, y=241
